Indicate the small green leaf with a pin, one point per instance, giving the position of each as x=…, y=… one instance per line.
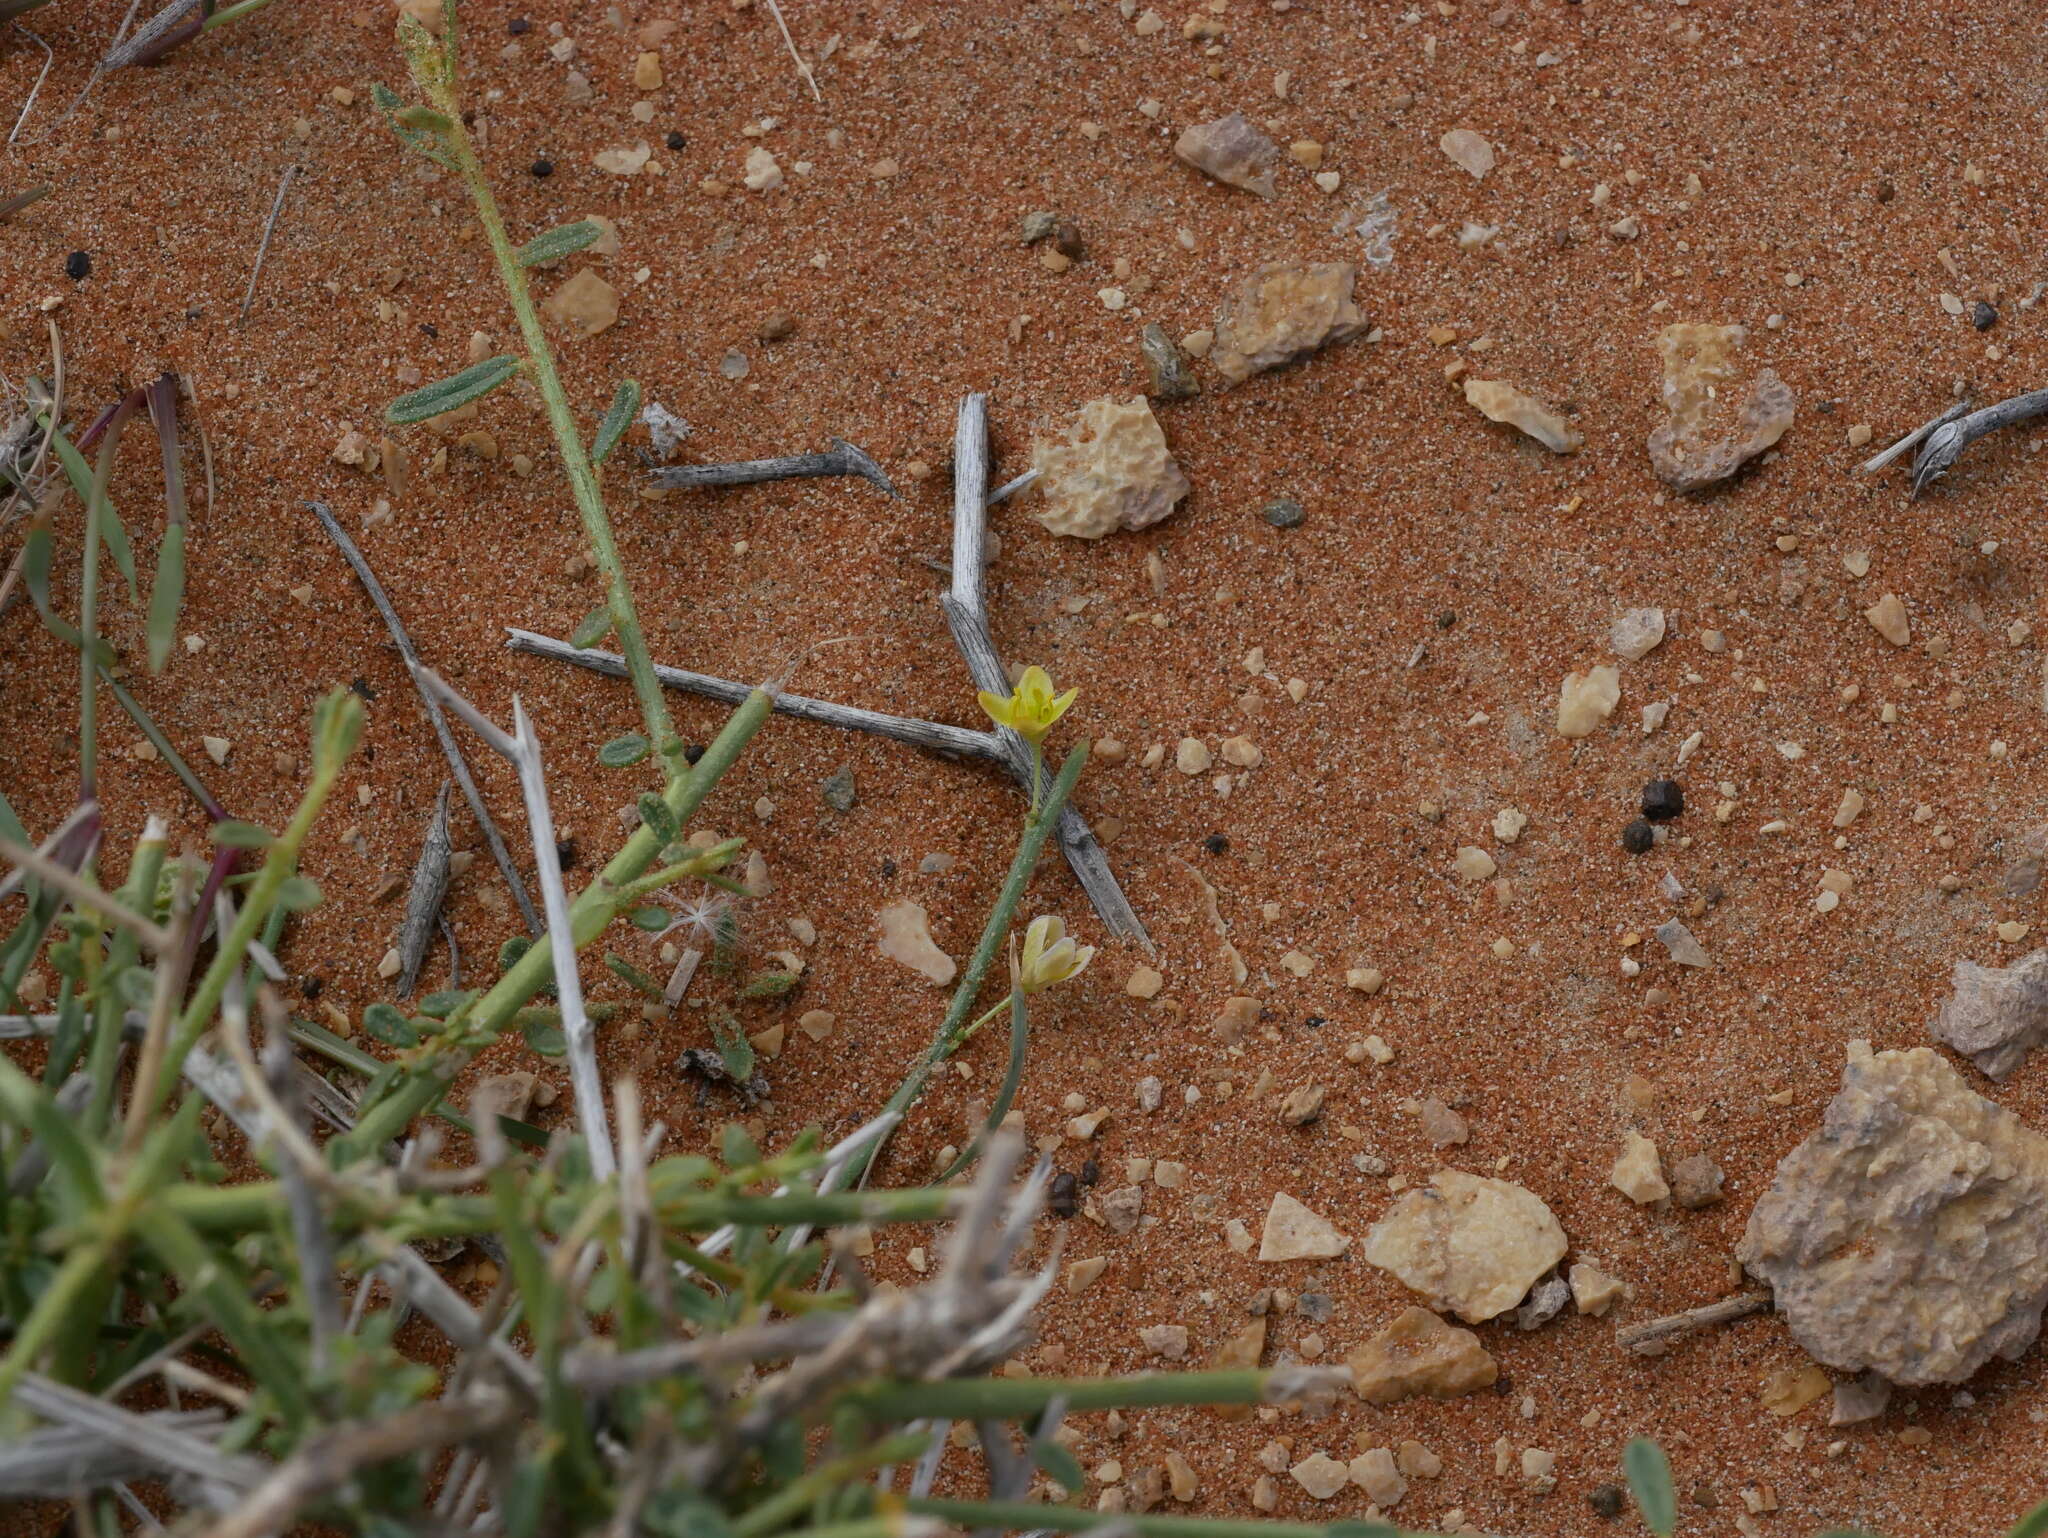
x=623, y=752
x=473, y=383
x=563, y=240
x=632, y=975
x=424, y=119
x=735, y=1147
x=1058, y=1462
x=2032, y=1525
x=545, y=1039
x=439, y=1006
x=390, y=1027
x=651, y=918
x=166, y=596
x=298, y=894
x=230, y=834
x=661, y=822
x=1649, y=1480
x=737, y=1053
x=773, y=985
x=136, y=986
x=597, y=624
x=617, y=418
x=509, y=953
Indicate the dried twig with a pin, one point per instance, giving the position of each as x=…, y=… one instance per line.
x=966, y=612
x=263, y=247
x=522, y=750
x=457, y=764
x=53, y=1463
x=1912, y=440
x=841, y=459
x=1949, y=438
x=938, y=737
x=423, y=901
x=1741, y=1306
x=152, y=1437
x=162, y=32
x=789, y=42
x=49, y=58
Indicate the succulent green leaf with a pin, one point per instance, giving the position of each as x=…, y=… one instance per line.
x=563, y=240
x=596, y=626
x=623, y=752
x=1649, y=1480
x=617, y=418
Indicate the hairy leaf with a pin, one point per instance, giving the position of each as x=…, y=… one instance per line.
x=457, y=390
x=234, y=834
x=596, y=626
x=563, y=240
x=618, y=417
x=623, y=752
x=389, y=1026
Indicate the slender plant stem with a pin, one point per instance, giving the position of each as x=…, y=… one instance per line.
x=540, y=361
x=1019, y=1515
x=1011, y=1398
x=89, y=601
x=1037, y=827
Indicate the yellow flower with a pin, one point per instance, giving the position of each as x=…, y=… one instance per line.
x=1031, y=708
x=1050, y=955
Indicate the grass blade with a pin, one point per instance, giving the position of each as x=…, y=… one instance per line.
x=2032, y=1525
x=1649, y=1481
x=166, y=596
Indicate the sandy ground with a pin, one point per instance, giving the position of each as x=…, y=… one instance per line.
x=1854, y=163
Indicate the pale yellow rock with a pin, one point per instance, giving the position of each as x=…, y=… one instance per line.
x=1909, y=1234
x=1593, y=1290
x=1467, y=1243
x=1500, y=401
x=1586, y=699
x=1375, y=1472
x=1888, y=618
x=1282, y=312
x=1420, y=1354
x=1242, y=753
x=1144, y=982
x=907, y=938
x=216, y=748
x=647, y=72
x=1473, y=863
x=763, y=174
x=1417, y=1461
x=1192, y=756
x=1850, y=809
x=1109, y=470
x=1292, y=1232
x=623, y=162
x=1366, y=980
x=817, y=1023
x=1791, y=1389
x=1636, y=633
x=1231, y=151
x=1639, y=1174
x=1321, y=1475
x=586, y=302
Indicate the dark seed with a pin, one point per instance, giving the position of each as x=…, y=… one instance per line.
x=565, y=853
x=1447, y=619
x=1638, y=837
x=692, y=751
x=677, y=139
x=542, y=168
x=311, y=985
x=1064, y=1200
x=78, y=266
x=1886, y=191
x=888, y=868
x=518, y=26
x=1216, y=843
x=1315, y=1022
x=1066, y=239
x=1283, y=513
x=1663, y=800
x=1983, y=316
x=1090, y=1172
x=1606, y=1501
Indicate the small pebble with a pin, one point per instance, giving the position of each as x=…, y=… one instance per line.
x=1663, y=800
x=542, y=168
x=78, y=266
x=838, y=790
x=1983, y=316
x=1638, y=837
x=1283, y=513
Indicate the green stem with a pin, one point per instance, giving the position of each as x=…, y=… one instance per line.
x=826, y=1477
x=593, y=909
x=1013, y=1077
x=1068, y=1519
x=1015, y=1398
x=1037, y=827
x=109, y=1010
x=228, y=13
x=583, y=485
x=73, y=1283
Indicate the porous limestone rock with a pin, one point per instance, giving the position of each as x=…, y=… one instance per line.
x=1282, y=311
x=1293, y=1232
x=1586, y=699
x=1696, y=1181
x=1231, y=151
x=1593, y=1290
x=1468, y=1243
x=1321, y=1475
x=1375, y=1472
x=1110, y=470
x=1420, y=1354
x=1909, y=1235
x=907, y=937
x=1996, y=1015
x=1502, y=402
x=1697, y=446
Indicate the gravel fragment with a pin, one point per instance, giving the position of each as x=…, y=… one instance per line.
x=838, y=789
x=1283, y=513
x=1172, y=379
x=1663, y=800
